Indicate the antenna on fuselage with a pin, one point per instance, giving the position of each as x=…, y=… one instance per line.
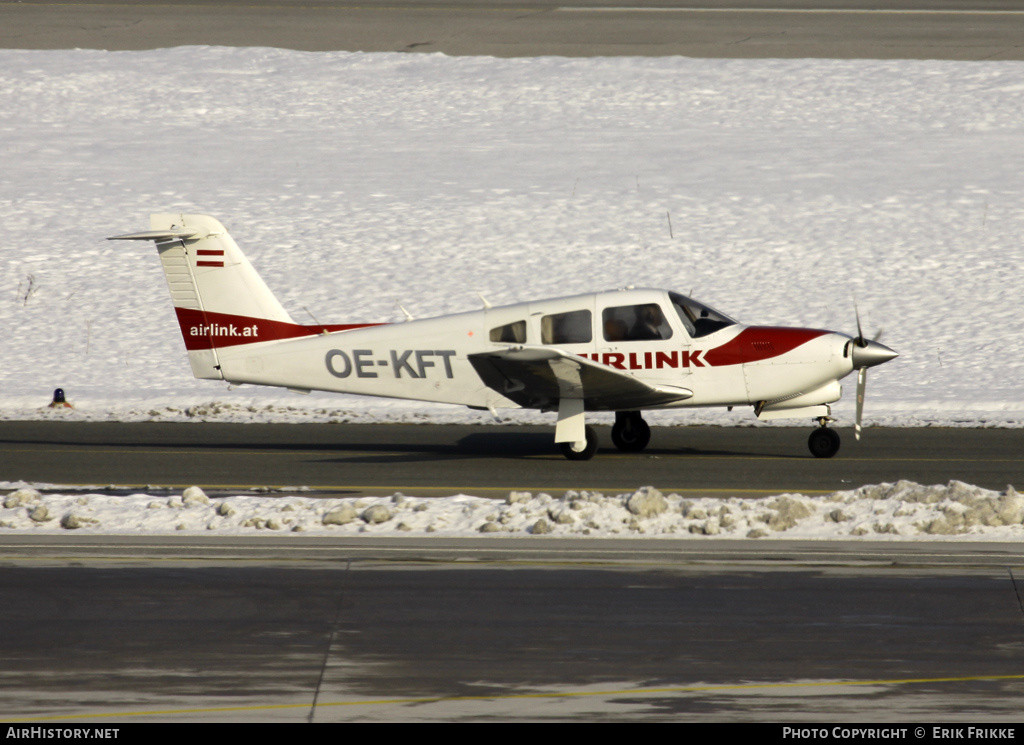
x=310, y=313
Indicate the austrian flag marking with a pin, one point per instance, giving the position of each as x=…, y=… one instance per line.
x=210, y=252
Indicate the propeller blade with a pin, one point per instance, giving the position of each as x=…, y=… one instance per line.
x=862, y=380
x=865, y=354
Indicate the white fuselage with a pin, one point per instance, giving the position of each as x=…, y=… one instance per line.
x=428, y=359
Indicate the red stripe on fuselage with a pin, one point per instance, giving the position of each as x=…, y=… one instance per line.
x=205, y=330
x=756, y=343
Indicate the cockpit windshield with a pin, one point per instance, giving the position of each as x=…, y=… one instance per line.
x=699, y=319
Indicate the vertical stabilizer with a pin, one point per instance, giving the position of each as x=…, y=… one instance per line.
x=218, y=297
x=207, y=271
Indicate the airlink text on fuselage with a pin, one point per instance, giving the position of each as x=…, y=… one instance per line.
x=648, y=360
x=224, y=329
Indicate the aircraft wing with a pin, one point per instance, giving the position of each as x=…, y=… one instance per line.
x=539, y=377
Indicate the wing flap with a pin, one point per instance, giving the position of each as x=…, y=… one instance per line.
x=539, y=377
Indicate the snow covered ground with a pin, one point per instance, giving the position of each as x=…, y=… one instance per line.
x=356, y=181
x=779, y=191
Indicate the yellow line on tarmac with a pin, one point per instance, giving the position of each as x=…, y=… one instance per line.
x=520, y=696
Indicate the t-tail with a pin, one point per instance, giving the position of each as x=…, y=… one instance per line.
x=218, y=297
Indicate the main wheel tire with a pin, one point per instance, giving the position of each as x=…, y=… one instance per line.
x=631, y=435
x=586, y=453
x=823, y=442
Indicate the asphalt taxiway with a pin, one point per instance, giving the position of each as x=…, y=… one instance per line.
x=898, y=29
x=168, y=629
x=491, y=460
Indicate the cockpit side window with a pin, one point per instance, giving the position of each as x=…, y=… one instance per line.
x=510, y=333
x=574, y=327
x=635, y=323
x=699, y=319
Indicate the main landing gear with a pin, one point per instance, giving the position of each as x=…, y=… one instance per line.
x=823, y=442
x=587, y=452
x=630, y=433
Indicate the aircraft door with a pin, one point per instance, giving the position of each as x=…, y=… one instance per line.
x=569, y=325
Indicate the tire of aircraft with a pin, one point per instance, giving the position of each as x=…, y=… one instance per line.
x=587, y=453
x=823, y=442
x=631, y=438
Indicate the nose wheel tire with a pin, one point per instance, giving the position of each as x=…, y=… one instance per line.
x=630, y=433
x=587, y=452
x=823, y=442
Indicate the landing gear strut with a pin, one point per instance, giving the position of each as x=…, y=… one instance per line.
x=630, y=433
x=823, y=442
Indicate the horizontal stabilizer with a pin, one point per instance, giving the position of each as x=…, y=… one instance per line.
x=539, y=377
x=171, y=234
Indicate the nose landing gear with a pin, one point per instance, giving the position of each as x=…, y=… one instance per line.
x=823, y=442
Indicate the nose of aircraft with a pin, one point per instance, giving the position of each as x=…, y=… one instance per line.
x=870, y=354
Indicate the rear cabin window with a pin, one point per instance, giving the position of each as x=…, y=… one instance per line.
x=635, y=323
x=510, y=333
x=574, y=327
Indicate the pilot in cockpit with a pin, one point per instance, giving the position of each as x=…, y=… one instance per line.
x=648, y=323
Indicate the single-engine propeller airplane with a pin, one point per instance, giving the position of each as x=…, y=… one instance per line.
x=623, y=351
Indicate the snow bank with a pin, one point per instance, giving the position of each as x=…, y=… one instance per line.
x=903, y=510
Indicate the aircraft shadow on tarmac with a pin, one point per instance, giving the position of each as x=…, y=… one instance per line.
x=513, y=445
x=377, y=444
x=532, y=444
